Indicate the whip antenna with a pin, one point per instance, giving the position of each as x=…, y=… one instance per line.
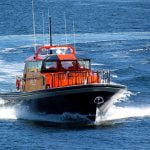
x=33, y=17
x=74, y=35
x=50, y=31
x=65, y=28
x=43, y=29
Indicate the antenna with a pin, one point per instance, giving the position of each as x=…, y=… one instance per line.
x=43, y=30
x=65, y=28
x=74, y=35
x=33, y=17
x=48, y=40
x=50, y=31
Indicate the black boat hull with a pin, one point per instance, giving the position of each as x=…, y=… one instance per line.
x=81, y=99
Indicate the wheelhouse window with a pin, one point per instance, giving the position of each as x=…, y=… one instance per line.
x=50, y=65
x=84, y=64
x=33, y=66
x=68, y=65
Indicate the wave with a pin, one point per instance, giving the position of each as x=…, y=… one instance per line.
x=22, y=112
x=116, y=113
x=139, y=49
x=97, y=64
x=127, y=70
x=119, y=114
x=143, y=80
x=113, y=115
x=80, y=38
x=145, y=48
x=145, y=62
x=9, y=69
x=7, y=112
x=19, y=111
x=8, y=73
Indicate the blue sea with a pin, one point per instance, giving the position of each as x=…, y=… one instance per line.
x=115, y=35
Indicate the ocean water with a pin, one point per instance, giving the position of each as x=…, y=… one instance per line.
x=115, y=34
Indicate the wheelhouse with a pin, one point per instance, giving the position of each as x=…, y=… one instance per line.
x=50, y=59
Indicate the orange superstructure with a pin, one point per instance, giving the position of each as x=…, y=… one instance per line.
x=54, y=67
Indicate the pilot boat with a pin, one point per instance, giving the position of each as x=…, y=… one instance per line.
x=55, y=81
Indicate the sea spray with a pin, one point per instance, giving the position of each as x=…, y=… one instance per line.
x=120, y=113
x=23, y=112
x=101, y=112
x=7, y=112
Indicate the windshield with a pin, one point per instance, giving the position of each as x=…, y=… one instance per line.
x=50, y=65
x=68, y=65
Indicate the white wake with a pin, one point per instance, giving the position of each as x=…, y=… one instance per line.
x=113, y=114
x=120, y=113
x=19, y=111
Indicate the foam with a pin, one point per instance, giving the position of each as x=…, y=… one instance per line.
x=7, y=112
x=80, y=38
x=97, y=64
x=121, y=113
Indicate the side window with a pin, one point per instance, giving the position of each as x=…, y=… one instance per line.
x=33, y=66
x=44, y=52
x=84, y=64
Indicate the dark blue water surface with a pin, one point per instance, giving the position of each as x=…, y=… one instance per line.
x=115, y=34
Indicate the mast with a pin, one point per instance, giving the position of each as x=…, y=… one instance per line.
x=33, y=17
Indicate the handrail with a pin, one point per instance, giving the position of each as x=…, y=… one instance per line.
x=47, y=47
x=78, y=78
x=74, y=78
x=62, y=79
x=105, y=76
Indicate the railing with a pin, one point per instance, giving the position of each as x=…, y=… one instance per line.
x=77, y=78
x=62, y=79
x=74, y=78
x=105, y=76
